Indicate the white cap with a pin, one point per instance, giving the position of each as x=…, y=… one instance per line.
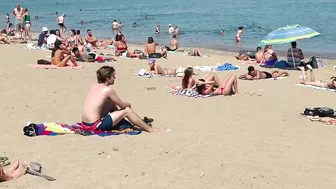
x=44, y=29
x=169, y=25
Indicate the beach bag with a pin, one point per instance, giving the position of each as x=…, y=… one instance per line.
x=319, y=111
x=43, y=62
x=30, y=130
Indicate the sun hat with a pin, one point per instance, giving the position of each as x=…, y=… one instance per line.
x=169, y=25
x=44, y=29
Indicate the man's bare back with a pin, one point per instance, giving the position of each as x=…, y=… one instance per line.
x=174, y=44
x=101, y=104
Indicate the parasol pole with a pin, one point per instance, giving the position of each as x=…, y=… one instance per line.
x=293, y=57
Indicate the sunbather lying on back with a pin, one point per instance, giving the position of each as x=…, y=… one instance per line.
x=229, y=86
x=157, y=70
x=188, y=82
x=313, y=82
x=254, y=74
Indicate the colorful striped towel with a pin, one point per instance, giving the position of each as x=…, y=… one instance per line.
x=186, y=92
x=314, y=87
x=54, y=129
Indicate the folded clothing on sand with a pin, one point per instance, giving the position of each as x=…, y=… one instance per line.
x=53, y=129
x=224, y=67
x=315, y=87
x=187, y=92
x=42, y=66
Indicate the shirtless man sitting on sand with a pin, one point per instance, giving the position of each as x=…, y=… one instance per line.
x=254, y=74
x=92, y=40
x=174, y=44
x=150, y=46
x=101, y=104
x=313, y=82
x=14, y=171
x=157, y=70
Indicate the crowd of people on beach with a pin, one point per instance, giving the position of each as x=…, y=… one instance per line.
x=103, y=108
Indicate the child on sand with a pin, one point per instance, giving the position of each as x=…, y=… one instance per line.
x=254, y=74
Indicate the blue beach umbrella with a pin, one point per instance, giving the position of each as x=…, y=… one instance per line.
x=289, y=34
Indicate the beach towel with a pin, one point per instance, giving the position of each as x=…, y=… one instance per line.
x=41, y=66
x=54, y=129
x=218, y=68
x=186, y=92
x=314, y=87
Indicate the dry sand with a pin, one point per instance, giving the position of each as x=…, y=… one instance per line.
x=221, y=142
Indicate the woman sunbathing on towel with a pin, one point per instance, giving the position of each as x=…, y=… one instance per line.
x=60, y=56
x=254, y=74
x=157, y=70
x=327, y=85
x=14, y=171
x=229, y=86
x=188, y=82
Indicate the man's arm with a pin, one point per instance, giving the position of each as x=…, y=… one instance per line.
x=14, y=13
x=114, y=97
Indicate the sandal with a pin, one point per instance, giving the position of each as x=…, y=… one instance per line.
x=4, y=163
x=3, y=158
x=148, y=120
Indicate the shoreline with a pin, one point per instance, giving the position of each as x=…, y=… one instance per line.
x=213, y=51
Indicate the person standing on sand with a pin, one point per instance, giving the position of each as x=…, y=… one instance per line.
x=18, y=14
x=239, y=34
x=26, y=19
x=60, y=22
x=104, y=110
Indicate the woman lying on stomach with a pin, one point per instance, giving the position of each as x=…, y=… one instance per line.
x=188, y=82
x=60, y=55
x=229, y=86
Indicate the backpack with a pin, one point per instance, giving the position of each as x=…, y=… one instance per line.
x=315, y=62
x=319, y=111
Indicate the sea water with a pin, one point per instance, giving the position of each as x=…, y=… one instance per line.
x=199, y=21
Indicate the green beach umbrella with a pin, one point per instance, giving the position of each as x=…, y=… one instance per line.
x=289, y=34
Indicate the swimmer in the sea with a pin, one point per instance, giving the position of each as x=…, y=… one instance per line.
x=239, y=34
x=158, y=29
x=146, y=17
x=221, y=32
x=134, y=24
x=82, y=22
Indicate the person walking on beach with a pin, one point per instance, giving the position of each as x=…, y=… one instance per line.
x=26, y=19
x=239, y=34
x=104, y=110
x=60, y=22
x=18, y=14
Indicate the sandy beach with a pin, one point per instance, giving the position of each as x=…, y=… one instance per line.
x=244, y=141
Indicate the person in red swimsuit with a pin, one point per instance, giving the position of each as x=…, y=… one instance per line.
x=229, y=86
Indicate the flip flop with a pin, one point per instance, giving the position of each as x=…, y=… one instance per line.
x=3, y=158
x=4, y=163
x=148, y=120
